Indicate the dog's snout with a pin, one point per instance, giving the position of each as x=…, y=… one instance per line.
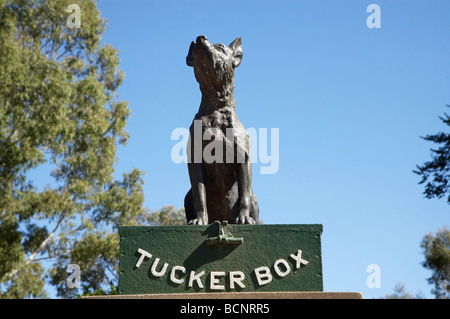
x=201, y=38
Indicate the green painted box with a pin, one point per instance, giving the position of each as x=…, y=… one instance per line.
x=177, y=259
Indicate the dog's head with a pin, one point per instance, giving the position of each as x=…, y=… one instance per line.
x=214, y=64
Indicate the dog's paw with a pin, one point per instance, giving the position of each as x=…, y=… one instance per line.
x=198, y=221
x=245, y=219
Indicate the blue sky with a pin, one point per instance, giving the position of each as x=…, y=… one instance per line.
x=350, y=104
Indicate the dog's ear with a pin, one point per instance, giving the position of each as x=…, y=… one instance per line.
x=236, y=47
x=189, y=57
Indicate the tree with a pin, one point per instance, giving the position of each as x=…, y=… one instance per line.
x=165, y=216
x=401, y=293
x=437, y=175
x=436, y=249
x=437, y=171
x=59, y=106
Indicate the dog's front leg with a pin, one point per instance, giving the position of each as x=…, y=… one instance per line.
x=198, y=194
x=244, y=194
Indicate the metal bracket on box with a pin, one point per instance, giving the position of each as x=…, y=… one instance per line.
x=224, y=237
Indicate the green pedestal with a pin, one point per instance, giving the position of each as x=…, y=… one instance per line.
x=216, y=258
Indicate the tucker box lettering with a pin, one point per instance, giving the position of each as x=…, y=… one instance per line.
x=220, y=257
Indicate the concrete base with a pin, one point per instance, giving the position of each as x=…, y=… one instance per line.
x=239, y=295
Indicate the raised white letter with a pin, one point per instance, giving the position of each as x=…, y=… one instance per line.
x=161, y=272
x=172, y=274
x=261, y=273
x=298, y=259
x=278, y=270
x=213, y=284
x=143, y=255
x=195, y=277
x=236, y=277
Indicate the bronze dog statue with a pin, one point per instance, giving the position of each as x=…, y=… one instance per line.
x=220, y=188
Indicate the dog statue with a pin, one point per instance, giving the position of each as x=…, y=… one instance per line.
x=221, y=179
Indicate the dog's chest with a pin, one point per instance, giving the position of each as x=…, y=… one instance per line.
x=221, y=126
x=220, y=120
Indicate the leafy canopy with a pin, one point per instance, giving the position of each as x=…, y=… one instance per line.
x=436, y=249
x=59, y=106
x=436, y=173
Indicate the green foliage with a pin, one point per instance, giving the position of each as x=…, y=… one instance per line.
x=436, y=173
x=401, y=293
x=167, y=215
x=27, y=283
x=436, y=248
x=108, y=259
x=59, y=106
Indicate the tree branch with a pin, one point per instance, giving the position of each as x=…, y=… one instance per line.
x=40, y=248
